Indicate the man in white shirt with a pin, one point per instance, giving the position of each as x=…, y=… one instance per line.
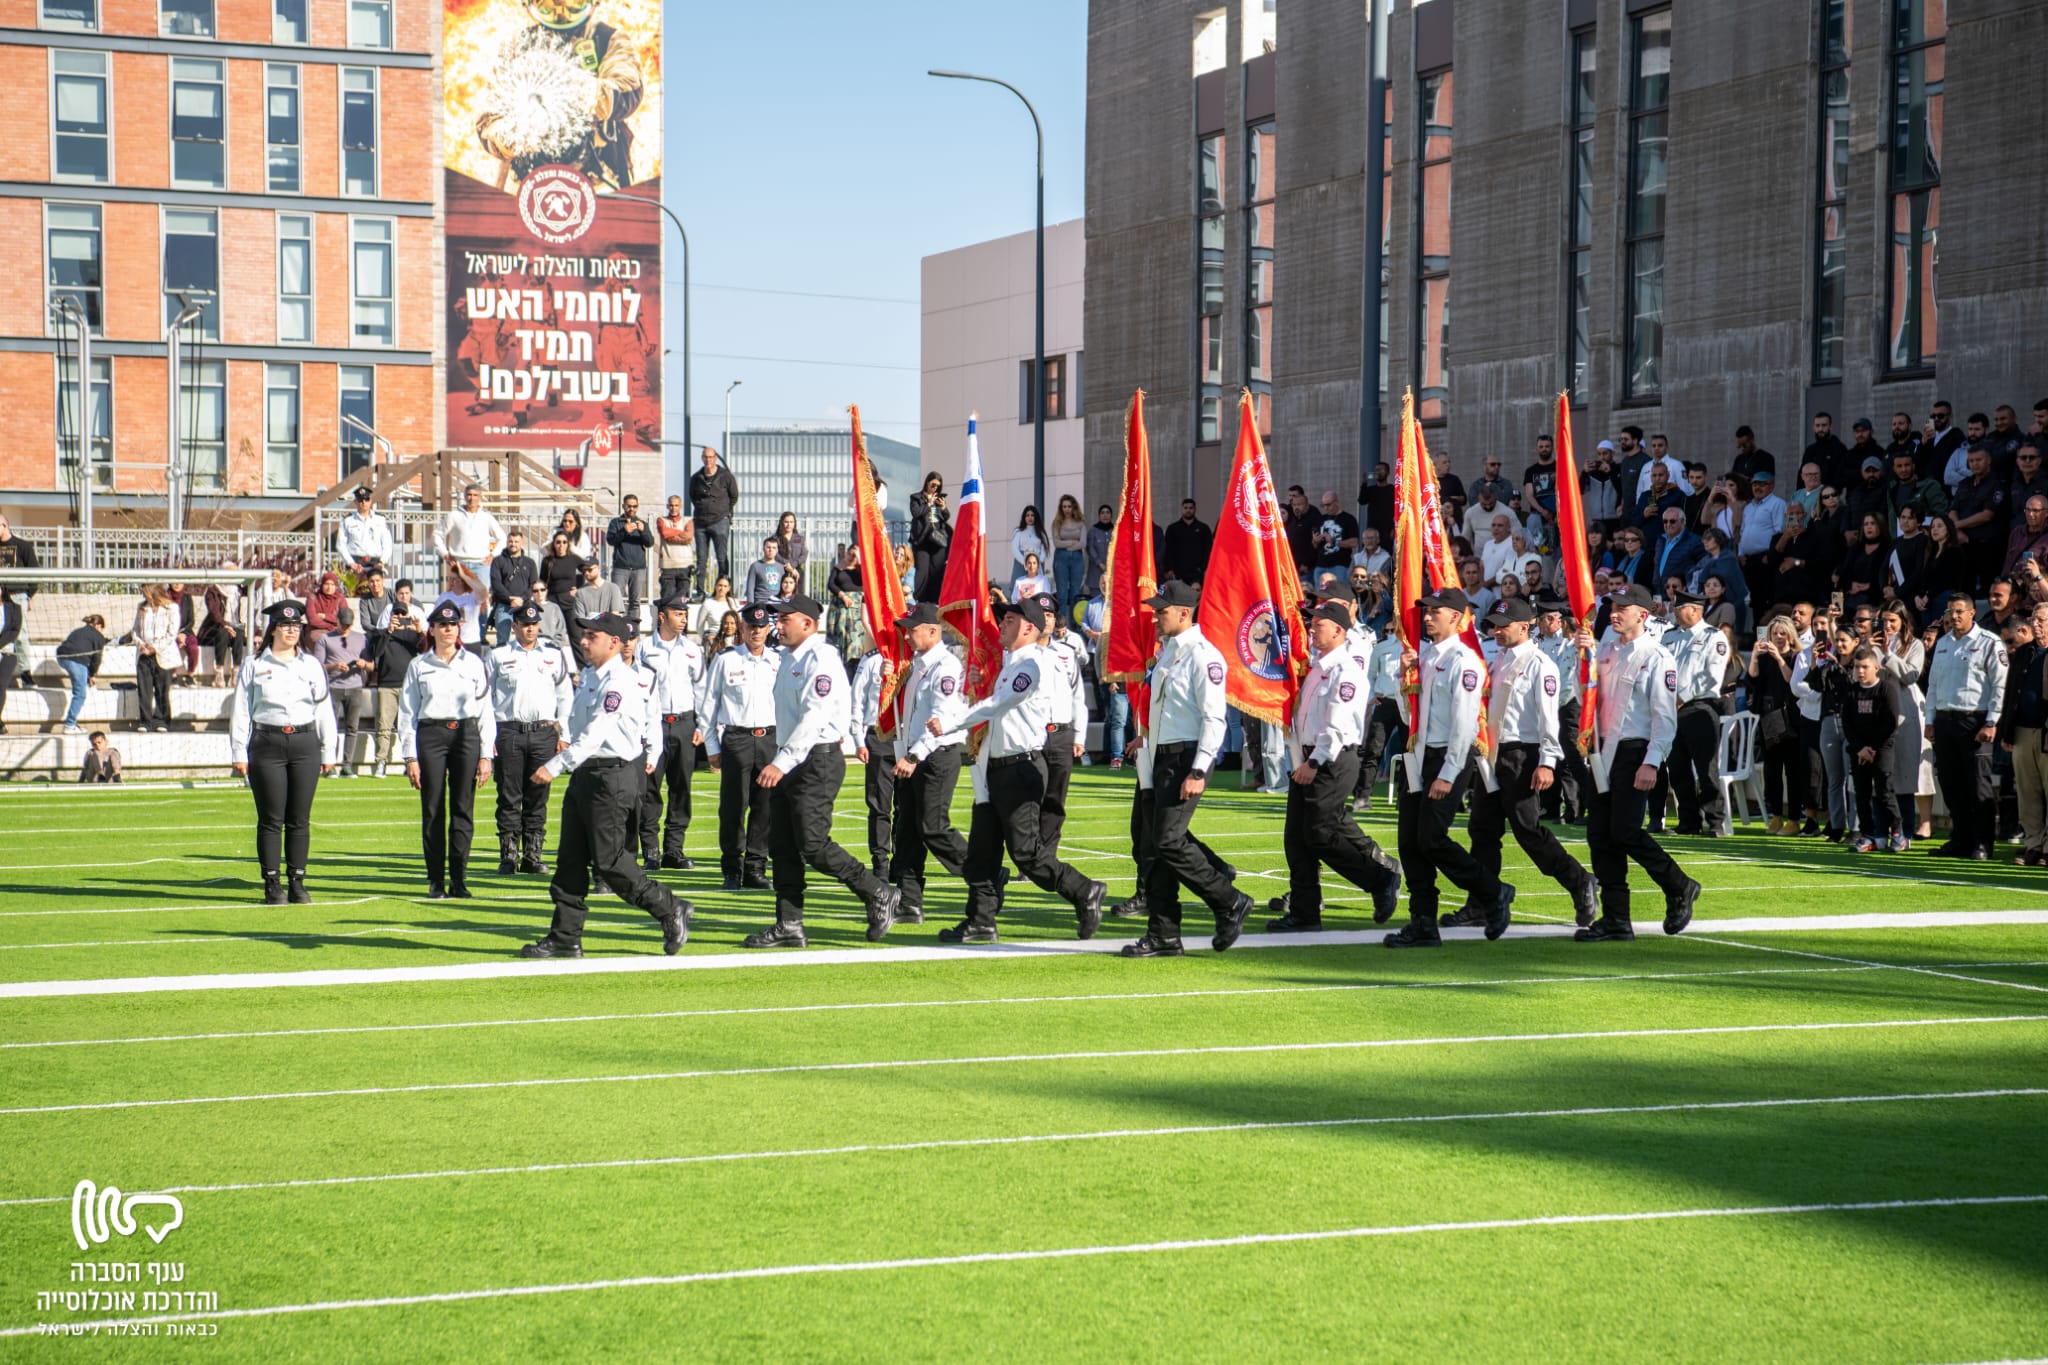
x=364, y=540
x=1371, y=557
x=1763, y=521
x=1498, y=551
x=929, y=765
x=467, y=538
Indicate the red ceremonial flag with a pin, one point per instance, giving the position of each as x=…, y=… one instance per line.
x=881, y=587
x=963, y=593
x=1251, y=603
x=1128, y=641
x=1422, y=550
x=1576, y=567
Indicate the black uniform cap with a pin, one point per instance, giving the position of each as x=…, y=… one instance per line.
x=445, y=614
x=286, y=611
x=1556, y=604
x=527, y=615
x=800, y=604
x=1453, y=598
x=675, y=601
x=1175, y=594
x=1688, y=599
x=611, y=623
x=1028, y=609
x=1333, y=611
x=756, y=615
x=1634, y=595
x=1512, y=611
x=362, y=494
x=923, y=614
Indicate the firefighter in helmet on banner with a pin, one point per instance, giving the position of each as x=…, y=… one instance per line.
x=561, y=94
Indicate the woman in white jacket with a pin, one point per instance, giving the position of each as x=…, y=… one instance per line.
x=1029, y=540
x=156, y=657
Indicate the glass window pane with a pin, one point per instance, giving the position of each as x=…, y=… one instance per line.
x=1646, y=317
x=283, y=123
x=295, y=267
x=1918, y=21
x=1646, y=202
x=1653, y=61
x=369, y=23
x=1582, y=319
x=1436, y=216
x=195, y=110
x=295, y=319
x=1915, y=218
x=1433, y=392
x=1837, y=33
x=1260, y=170
x=188, y=18
x=81, y=104
x=1834, y=135
x=1586, y=55
x=1830, y=297
x=1258, y=356
x=1582, y=187
x=288, y=23
x=282, y=165
x=81, y=157
x=373, y=270
x=1916, y=117
x=1211, y=174
x=78, y=14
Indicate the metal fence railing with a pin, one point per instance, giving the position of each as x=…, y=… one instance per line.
x=127, y=550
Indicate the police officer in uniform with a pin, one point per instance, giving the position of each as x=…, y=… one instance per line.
x=934, y=691
x=674, y=655
x=1437, y=775
x=1565, y=800
x=1068, y=739
x=281, y=737
x=1010, y=783
x=647, y=686
x=530, y=697
x=606, y=755
x=1184, y=733
x=1638, y=716
x=877, y=752
x=1521, y=716
x=446, y=728
x=1966, y=692
x=1700, y=653
x=1386, y=724
x=738, y=715
x=1323, y=750
x=813, y=717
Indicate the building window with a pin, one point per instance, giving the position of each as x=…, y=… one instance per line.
x=81, y=15
x=1649, y=132
x=369, y=23
x=1830, y=275
x=203, y=423
x=99, y=421
x=186, y=18
x=1259, y=169
x=294, y=278
x=1579, y=231
x=1918, y=43
x=359, y=131
x=1433, y=260
x=280, y=428
x=281, y=128
x=79, y=146
x=1055, y=390
x=288, y=21
x=1209, y=291
x=192, y=268
x=75, y=261
x=198, y=125
x=358, y=405
x=1386, y=237
x=372, y=310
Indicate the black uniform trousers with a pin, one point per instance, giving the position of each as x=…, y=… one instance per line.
x=879, y=785
x=1320, y=831
x=924, y=824
x=1059, y=775
x=522, y=803
x=284, y=770
x=596, y=834
x=800, y=833
x=1567, y=796
x=1516, y=807
x=1010, y=820
x=673, y=772
x=448, y=751
x=1694, y=767
x=1178, y=857
x=1963, y=768
x=1386, y=732
x=743, y=803
x=1424, y=839
x=1615, y=833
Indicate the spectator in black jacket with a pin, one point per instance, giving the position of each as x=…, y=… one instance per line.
x=1870, y=723
x=79, y=657
x=714, y=497
x=1827, y=451
x=561, y=568
x=512, y=576
x=931, y=536
x=1185, y=554
x=11, y=618
x=630, y=538
x=391, y=652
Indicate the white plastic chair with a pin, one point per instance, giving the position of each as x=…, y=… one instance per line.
x=1738, y=761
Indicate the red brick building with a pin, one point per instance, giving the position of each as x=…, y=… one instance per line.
x=275, y=164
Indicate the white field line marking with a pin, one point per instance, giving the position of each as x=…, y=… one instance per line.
x=631, y=1015
x=1097, y=1135
x=1020, y=1058
x=1000, y=999
x=1862, y=870
x=172, y=909
x=1064, y=1253
x=1865, y=962
x=492, y=969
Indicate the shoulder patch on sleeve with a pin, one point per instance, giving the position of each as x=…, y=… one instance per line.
x=1020, y=681
x=1216, y=673
x=1670, y=680
x=2000, y=651
x=1471, y=680
x=1346, y=691
x=947, y=687
x=613, y=701
x=1550, y=684
x=822, y=685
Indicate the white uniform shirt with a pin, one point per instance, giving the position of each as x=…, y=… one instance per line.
x=472, y=607
x=1384, y=669
x=867, y=692
x=1563, y=652
x=1805, y=695
x=646, y=679
x=680, y=662
x=274, y=691
x=1329, y=711
x=365, y=537
x=1968, y=674
x=1638, y=698
x=604, y=721
x=739, y=689
x=1019, y=710
x=469, y=535
x=1451, y=673
x=1701, y=656
x=438, y=690
x=530, y=685
x=1188, y=700
x=813, y=701
x=1070, y=700
x=936, y=689
x=1521, y=708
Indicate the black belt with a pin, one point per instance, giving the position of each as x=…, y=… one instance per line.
x=1066, y=725
x=283, y=729
x=756, y=733
x=671, y=717
x=524, y=727
x=1181, y=747
x=437, y=723
x=1011, y=760
x=598, y=764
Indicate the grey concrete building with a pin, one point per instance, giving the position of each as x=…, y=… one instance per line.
x=1692, y=215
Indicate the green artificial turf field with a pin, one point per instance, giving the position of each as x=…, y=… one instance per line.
x=1805, y=1130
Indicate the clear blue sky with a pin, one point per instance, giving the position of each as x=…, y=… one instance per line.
x=808, y=151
